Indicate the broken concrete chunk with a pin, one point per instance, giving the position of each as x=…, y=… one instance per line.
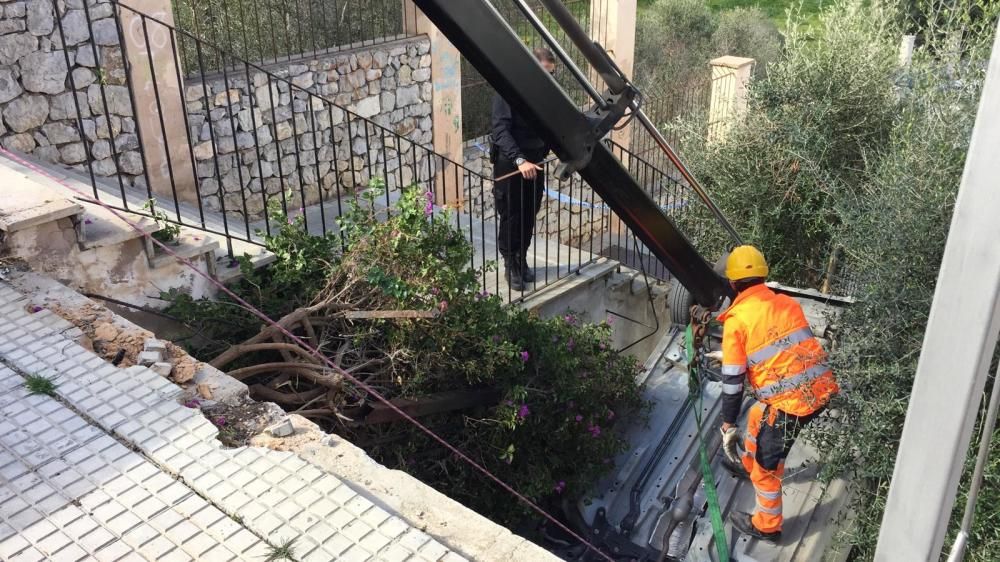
x=162, y=368
x=153, y=344
x=204, y=390
x=147, y=358
x=284, y=428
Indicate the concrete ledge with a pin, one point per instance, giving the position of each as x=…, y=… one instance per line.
x=454, y=525
x=28, y=203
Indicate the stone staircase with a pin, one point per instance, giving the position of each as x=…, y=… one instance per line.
x=47, y=225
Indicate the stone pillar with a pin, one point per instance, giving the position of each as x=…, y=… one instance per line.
x=730, y=78
x=612, y=24
x=157, y=63
x=446, y=105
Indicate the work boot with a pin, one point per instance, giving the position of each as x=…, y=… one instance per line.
x=527, y=273
x=514, y=278
x=744, y=524
x=736, y=469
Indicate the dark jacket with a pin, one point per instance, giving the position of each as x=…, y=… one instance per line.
x=512, y=136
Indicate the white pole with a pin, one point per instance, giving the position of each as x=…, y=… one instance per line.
x=958, y=345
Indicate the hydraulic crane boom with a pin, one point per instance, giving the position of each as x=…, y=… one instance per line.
x=481, y=34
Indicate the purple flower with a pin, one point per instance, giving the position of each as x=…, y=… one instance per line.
x=36, y=308
x=611, y=320
x=88, y=221
x=602, y=346
x=569, y=319
x=525, y=356
x=595, y=430
x=570, y=344
x=429, y=208
x=559, y=487
x=435, y=290
x=192, y=403
x=611, y=414
x=523, y=411
x=220, y=421
x=508, y=403
x=579, y=418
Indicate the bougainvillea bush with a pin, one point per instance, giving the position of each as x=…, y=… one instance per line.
x=554, y=389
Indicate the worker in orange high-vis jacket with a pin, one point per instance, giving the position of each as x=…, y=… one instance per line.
x=767, y=342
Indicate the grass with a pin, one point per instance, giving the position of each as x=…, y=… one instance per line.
x=37, y=384
x=281, y=552
x=775, y=9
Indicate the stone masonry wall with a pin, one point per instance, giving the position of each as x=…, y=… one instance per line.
x=574, y=220
x=37, y=88
x=300, y=135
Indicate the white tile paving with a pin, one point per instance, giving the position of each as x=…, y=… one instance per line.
x=70, y=490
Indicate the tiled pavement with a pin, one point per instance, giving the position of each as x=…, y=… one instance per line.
x=113, y=468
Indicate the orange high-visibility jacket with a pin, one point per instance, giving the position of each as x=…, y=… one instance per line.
x=766, y=337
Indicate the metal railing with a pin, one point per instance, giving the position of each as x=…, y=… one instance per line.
x=267, y=31
x=217, y=148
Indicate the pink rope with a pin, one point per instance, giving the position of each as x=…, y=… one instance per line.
x=314, y=352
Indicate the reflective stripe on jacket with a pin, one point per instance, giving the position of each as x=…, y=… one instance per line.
x=767, y=339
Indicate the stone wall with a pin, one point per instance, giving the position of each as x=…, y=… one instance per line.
x=271, y=133
x=37, y=88
x=574, y=216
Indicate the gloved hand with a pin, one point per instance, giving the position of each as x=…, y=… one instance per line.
x=731, y=443
x=715, y=355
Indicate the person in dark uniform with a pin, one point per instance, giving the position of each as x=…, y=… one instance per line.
x=516, y=147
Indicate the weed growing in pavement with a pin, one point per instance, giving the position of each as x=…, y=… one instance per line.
x=283, y=551
x=38, y=384
x=168, y=231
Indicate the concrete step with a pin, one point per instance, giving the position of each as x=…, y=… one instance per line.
x=188, y=244
x=28, y=203
x=101, y=228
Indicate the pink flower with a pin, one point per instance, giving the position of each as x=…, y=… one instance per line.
x=602, y=346
x=569, y=319
x=220, y=421
x=192, y=403
x=525, y=356
x=435, y=290
x=579, y=418
x=611, y=320
x=595, y=430
x=523, y=411
x=611, y=414
x=443, y=306
x=559, y=487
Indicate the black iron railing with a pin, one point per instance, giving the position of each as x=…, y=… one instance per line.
x=217, y=147
x=264, y=31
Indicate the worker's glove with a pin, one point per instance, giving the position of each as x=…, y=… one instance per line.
x=731, y=443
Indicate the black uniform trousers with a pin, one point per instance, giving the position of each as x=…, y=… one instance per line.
x=517, y=202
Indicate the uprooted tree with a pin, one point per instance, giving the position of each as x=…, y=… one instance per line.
x=391, y=300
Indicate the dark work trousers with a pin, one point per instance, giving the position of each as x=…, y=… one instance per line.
x=775, y=441
x=517, y=202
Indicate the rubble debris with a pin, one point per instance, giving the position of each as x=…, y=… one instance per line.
x=162, y=368
x=283, y=428
x=204, y=390
x=149, y=358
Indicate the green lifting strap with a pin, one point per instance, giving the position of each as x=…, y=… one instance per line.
x=715, y=512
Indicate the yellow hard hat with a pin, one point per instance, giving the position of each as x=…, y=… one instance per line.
x=745, y=262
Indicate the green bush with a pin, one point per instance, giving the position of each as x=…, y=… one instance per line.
x=559, y=385
x=825, y=107
x=747, y=32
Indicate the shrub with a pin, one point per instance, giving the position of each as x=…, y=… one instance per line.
x=557, y=385
x=747, y=32
x=824, y=108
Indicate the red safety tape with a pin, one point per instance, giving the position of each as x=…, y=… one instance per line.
x=313, y=351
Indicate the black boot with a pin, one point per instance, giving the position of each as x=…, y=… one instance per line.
x=526, y=272
x=744, y=524
x=514, y=276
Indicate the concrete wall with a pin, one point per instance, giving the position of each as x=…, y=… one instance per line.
x=389, y=84
x=37, y=88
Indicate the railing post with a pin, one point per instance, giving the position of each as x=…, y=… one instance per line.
x=446, y=104
x=730, y=78
x=158, y=63
x=612, y=24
